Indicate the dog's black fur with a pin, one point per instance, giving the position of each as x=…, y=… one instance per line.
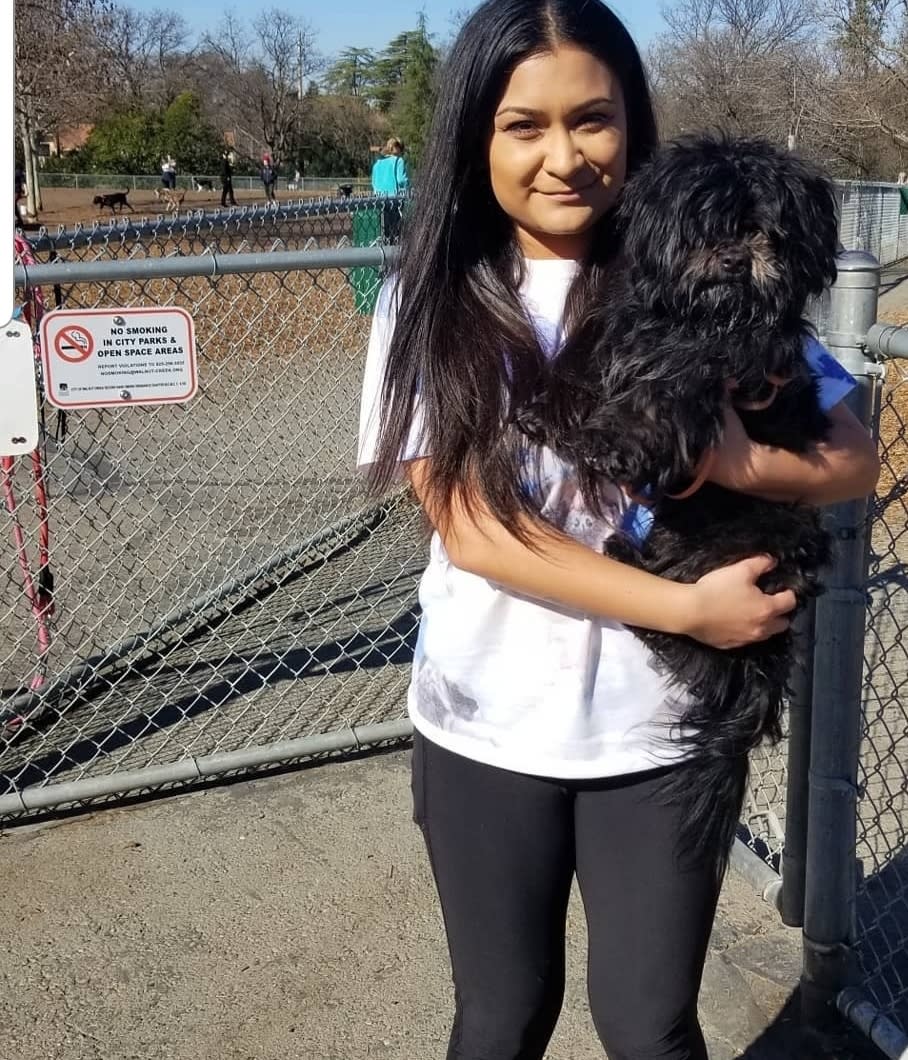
x=723, y=241
x=203, y=184
x=344, y=191
x=113, y=201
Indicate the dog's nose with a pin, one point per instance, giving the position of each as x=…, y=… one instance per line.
x=734, y=260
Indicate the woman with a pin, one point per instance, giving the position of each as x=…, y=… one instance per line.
x=389, y=174
x=541, y=747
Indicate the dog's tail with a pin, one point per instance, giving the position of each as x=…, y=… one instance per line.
x=710, y=794
x=720, y=731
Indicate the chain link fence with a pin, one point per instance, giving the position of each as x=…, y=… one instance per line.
x=324, y=186
x=874, y=218
x=220, y=580
x=270, y=227
x=882, y=837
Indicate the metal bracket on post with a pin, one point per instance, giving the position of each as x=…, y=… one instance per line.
x=829, y=891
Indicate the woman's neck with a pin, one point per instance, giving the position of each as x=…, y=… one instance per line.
x=544, y=247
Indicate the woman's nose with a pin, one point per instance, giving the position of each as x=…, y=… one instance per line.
x=563, y=156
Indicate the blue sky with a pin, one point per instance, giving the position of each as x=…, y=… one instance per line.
x=372, y=23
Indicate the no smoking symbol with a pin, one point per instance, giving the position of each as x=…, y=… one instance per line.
x=73, y=344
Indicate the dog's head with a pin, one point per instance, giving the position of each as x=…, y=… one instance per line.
x=98, y=200
x=730, y=231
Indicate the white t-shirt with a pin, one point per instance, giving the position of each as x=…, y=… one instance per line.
x=514, y=682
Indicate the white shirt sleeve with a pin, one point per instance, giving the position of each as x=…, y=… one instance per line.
x=835, y=382
x=370, y=413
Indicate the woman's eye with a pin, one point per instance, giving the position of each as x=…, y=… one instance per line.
x=522, y=128
x=595, y=121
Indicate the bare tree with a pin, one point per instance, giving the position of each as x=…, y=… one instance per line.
x=145, y=55
x=57, y=73
x=863, y=104
x=829, y=77
x=260, y=93
x=734, y=64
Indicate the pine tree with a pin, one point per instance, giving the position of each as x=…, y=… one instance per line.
x=414, y=103
x=352, y=74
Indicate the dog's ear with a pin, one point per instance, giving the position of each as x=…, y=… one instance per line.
x=811, y=231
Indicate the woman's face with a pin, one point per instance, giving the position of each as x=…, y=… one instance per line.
x=558, y=150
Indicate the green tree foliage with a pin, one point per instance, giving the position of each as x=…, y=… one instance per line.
x=135, y=141
x=411, y=114
x=125, y=143
x=352, y=73
x=337, y=133
x=189, y=137
x=388, y=70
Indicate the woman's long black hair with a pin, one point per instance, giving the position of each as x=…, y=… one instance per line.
x=462, y=340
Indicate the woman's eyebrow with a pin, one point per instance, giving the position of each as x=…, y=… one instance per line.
x=529, y=112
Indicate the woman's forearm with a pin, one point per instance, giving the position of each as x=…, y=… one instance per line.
x=844, y=467
x=725, y=608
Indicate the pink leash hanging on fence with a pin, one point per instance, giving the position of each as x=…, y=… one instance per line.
x=38, y=589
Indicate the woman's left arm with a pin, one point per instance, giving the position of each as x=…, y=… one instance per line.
x=842, y=468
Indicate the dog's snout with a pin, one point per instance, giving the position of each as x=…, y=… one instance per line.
x=734, y=261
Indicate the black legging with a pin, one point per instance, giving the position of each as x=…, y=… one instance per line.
x=504, y=848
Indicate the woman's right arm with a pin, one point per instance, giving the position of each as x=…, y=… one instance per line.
x=725, y=608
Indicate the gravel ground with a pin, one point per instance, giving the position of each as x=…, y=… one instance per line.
x=295, y=916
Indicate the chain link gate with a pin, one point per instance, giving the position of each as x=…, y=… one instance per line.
x=222, y=583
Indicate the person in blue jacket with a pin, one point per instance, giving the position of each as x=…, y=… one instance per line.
x=390, y=180
x=389, y=174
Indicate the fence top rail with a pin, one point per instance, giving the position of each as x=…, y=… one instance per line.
x=195, y=223
x=888, y=341
x=868, y=184
x=67, y=272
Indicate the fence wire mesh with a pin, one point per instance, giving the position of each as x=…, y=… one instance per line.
x=882, y=848
x=874, y=217
x=306, y=224
x=221, y=581
x=186, y=514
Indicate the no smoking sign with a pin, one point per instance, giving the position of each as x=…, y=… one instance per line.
x=108, y=358
x=73, y=344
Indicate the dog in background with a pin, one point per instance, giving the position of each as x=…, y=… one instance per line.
x=722, y=241
x=344, y=191
x=172, y=198
x=115, y=201
x=202, y=184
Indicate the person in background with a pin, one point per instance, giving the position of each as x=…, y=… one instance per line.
x=19, y=192
x=389, y=174
x=269, y=177
x=169, y=173
x=390, y=180
x=227, y=198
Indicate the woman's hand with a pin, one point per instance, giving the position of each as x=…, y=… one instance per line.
x=842, y=468
x=730, y=610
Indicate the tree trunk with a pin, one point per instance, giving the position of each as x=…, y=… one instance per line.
x=33, y=192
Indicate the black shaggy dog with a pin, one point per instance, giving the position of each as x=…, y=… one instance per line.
x=723, y=242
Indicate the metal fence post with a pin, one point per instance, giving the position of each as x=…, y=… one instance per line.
x=837, y=676
x=794, y=851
